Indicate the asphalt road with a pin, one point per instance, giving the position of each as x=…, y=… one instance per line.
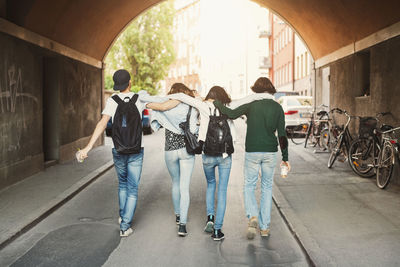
x=84, y=232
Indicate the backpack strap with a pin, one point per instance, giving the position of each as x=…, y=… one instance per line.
x=134, y=98
x=188, y=114
x=117, y=99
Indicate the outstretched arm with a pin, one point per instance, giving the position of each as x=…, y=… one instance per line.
x=100, y=127
x=232, y=113
x=167, y=105
x=249, y=99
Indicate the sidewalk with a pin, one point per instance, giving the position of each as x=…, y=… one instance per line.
x=27, y=202
x=340, y=218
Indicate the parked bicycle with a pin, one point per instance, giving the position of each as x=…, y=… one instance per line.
x=387, y=157
x=311, y=131
x=340, y=146
x=364, y=150
x=297, y=133
x=316, y=127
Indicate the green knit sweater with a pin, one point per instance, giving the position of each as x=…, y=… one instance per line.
x=264, y=118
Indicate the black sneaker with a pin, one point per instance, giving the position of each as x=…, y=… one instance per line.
x=218, y=235
x=177, y=218
x=182, y=230
x=210, y=224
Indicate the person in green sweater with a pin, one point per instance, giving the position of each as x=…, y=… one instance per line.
x=264, y=119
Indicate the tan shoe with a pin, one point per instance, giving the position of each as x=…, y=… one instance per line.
x=252, y=228
x=264, y=233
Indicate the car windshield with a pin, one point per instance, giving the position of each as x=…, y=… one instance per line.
x=293, y=102
x=305, y=101
x=299, y=102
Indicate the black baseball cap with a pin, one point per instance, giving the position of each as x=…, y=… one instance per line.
x=121, y=79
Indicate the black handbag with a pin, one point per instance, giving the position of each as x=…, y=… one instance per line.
x=192, y=144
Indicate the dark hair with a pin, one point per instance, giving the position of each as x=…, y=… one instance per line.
x=263, y=84
x=218, y=93
x=180, y=88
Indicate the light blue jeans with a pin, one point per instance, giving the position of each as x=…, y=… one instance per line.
x=224, y=170
x=252, y=164
x=180, y=166
x=129, y=170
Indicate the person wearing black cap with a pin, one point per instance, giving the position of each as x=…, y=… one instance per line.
x=128, y=166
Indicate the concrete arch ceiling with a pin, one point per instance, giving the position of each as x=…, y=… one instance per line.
x=90, y=26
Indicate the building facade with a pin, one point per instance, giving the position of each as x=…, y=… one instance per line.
x=186, y=29
x=292, y=63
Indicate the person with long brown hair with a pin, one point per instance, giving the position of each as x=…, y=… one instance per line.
x=264, y=119
x=179, y=162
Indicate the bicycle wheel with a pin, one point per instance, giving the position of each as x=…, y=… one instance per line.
x=384, y=169
x=361, y=158
x=297, y=134
x=335, y=151
x=324, y=139
x=309, y=132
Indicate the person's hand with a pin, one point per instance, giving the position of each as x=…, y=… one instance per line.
x=287, y=164
x=83, y=154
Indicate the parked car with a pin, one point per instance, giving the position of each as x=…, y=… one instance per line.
x=298, y=109
x=278, y=95
x=146, y=118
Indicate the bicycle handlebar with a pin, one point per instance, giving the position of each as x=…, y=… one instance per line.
x=381, y=114
x=338, y=110
x=391, y=130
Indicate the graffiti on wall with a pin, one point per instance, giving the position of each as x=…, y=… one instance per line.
x=11, y=91
x=12, y=101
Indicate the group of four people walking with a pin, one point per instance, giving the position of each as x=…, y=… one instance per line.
x=265, y=132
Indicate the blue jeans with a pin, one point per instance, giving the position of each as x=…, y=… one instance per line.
x=129, y=170
x=180, y=166
x=224, y=170
x=252, y=164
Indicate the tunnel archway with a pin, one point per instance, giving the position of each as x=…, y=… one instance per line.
x=90, y=26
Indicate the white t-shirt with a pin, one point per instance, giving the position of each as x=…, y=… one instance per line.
x=111, y=106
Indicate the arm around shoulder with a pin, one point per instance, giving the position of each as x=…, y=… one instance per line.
x=167, y=105
x=232, y=113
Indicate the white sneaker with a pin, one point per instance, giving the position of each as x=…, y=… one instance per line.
x=119, y=220
x=125, y=233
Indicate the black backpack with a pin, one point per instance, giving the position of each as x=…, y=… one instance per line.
x=127, y=126
x=218, y=138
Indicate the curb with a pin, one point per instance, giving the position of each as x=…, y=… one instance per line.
x=56, y=203
x=313, y=252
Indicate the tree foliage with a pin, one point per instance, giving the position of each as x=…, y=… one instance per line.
x=145, y=49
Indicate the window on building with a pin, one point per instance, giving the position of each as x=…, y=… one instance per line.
x=280, y=76
x=284, y=38
x=301, y=67
x=306, y=63
x=287, y=34
x=297, y=68
x=287, y=72
x=290, y=71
